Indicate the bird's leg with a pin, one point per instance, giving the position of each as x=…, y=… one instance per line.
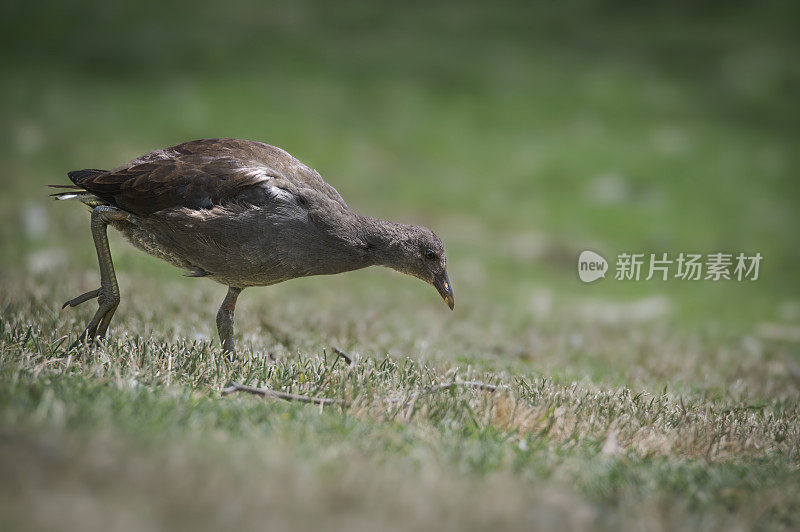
x=108, y=293
x=225, y=319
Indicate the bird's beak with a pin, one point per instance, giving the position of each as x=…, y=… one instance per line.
x=445, y=289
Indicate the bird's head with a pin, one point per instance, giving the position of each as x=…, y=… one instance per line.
x=417, y=251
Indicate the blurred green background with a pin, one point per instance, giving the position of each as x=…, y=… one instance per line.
x=521, y=132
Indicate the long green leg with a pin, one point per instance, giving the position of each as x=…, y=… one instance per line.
x=108, y=293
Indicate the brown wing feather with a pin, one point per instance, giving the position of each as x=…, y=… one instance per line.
x=200, y=174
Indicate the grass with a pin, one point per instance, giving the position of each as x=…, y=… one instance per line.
x=706, y=430
x=645, y=405
x=157, y=405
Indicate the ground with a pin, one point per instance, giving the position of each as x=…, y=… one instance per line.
x=522, y=138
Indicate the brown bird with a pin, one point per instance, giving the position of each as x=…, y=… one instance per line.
x=242, y=213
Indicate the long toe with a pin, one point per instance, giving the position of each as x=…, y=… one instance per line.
x=89, y=333
x=98, y=325
x=83, y=298
x=102, y=328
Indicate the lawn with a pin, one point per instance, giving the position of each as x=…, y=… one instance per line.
x=522, y=135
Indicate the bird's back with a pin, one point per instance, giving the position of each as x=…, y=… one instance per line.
x=201, y=174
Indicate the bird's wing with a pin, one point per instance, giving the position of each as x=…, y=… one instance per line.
x=201, y=174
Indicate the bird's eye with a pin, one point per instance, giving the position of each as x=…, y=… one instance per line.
x=430, y=254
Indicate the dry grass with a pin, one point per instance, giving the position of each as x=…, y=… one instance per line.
x=135, y=434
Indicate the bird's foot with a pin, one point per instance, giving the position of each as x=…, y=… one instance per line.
x=107, y=303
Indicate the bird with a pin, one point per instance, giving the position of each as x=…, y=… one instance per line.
x=242, y=213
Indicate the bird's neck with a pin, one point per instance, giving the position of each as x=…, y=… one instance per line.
x=382, y=241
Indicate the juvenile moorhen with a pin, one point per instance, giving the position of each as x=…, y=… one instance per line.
x=242, y=213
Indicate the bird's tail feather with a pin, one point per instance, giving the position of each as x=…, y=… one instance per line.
x=77, y=194
x=73, y=194
x=76, y=191
x=78, y=175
